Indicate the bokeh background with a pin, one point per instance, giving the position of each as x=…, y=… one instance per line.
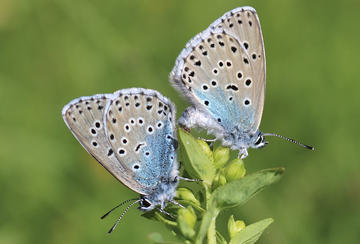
x=52, y=191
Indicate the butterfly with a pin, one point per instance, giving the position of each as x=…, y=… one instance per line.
x=222, y=72
x=132, y=134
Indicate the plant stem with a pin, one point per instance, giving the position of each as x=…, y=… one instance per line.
x=211, y=233
x=208, y=219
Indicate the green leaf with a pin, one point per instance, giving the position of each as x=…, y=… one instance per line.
x=235, y=226
x=251, y=233
x=186, y=194
x=196, y=207
x=205, y=148
x=200, y=160
x=240, y=191
x=220, y=239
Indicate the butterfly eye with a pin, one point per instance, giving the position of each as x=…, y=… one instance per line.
x=259, y=140
x=146, y=203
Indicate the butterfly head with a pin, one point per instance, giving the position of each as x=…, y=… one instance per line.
x=146, y=203
x=239, y=140
x=259, y=141
x=161, y=196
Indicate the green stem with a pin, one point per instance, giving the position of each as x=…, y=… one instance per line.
x=207, y=195
x=208, y=219
x=211, y=233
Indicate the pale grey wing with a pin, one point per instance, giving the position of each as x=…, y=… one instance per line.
x=243, y=23
x=85, y=118
x=140, y=125
x=218, y=74
x=218, y=77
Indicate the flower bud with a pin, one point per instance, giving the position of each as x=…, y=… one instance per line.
x=235, y=227
x=221, y=156
x=235, y=170
x=186, y=221
x=219, y=180
x=185, y=194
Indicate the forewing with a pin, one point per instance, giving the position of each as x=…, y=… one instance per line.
x=85, y=118
x=222, y=70
x=140, y=126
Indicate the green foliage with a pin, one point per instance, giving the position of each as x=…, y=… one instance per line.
x=223, y=185
x=250, y=234
x=53, y=191
x=198, y=158
x=235, y=227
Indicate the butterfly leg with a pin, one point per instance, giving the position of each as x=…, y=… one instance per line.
x=187, y=179
x=166, y=213
x=176, y=203
x=210, y=142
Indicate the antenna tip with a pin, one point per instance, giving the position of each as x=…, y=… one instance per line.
x=111, y=230
x=310, y=147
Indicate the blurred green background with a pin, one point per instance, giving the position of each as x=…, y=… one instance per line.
x=52, y=191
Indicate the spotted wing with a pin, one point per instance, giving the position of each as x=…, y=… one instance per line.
x=85, y=118
x=222, y=70
x=140, y=126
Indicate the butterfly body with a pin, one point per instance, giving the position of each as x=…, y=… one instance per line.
x=132, y=134
x=222, y=72
x=236, y=139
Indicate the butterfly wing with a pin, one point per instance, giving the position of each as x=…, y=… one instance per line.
x=243, y=23
x=140, y=126
x=85, y=118
x=222, y=70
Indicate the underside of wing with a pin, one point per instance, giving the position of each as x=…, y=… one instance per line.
x=85, y=118
x=243, y=23
x=222, y=70
x=139, y=124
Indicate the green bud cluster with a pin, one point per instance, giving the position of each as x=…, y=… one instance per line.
x=222, y=184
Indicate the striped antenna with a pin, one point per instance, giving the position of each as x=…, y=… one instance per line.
x=116, y=223
x=102, y=217
x=290, y=140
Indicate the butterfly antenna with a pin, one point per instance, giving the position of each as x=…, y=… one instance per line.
x=116, y=223
x=102, y=217
x=290, y=140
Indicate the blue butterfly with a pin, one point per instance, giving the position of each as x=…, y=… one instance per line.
x=132, y=134
x=222, y=72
